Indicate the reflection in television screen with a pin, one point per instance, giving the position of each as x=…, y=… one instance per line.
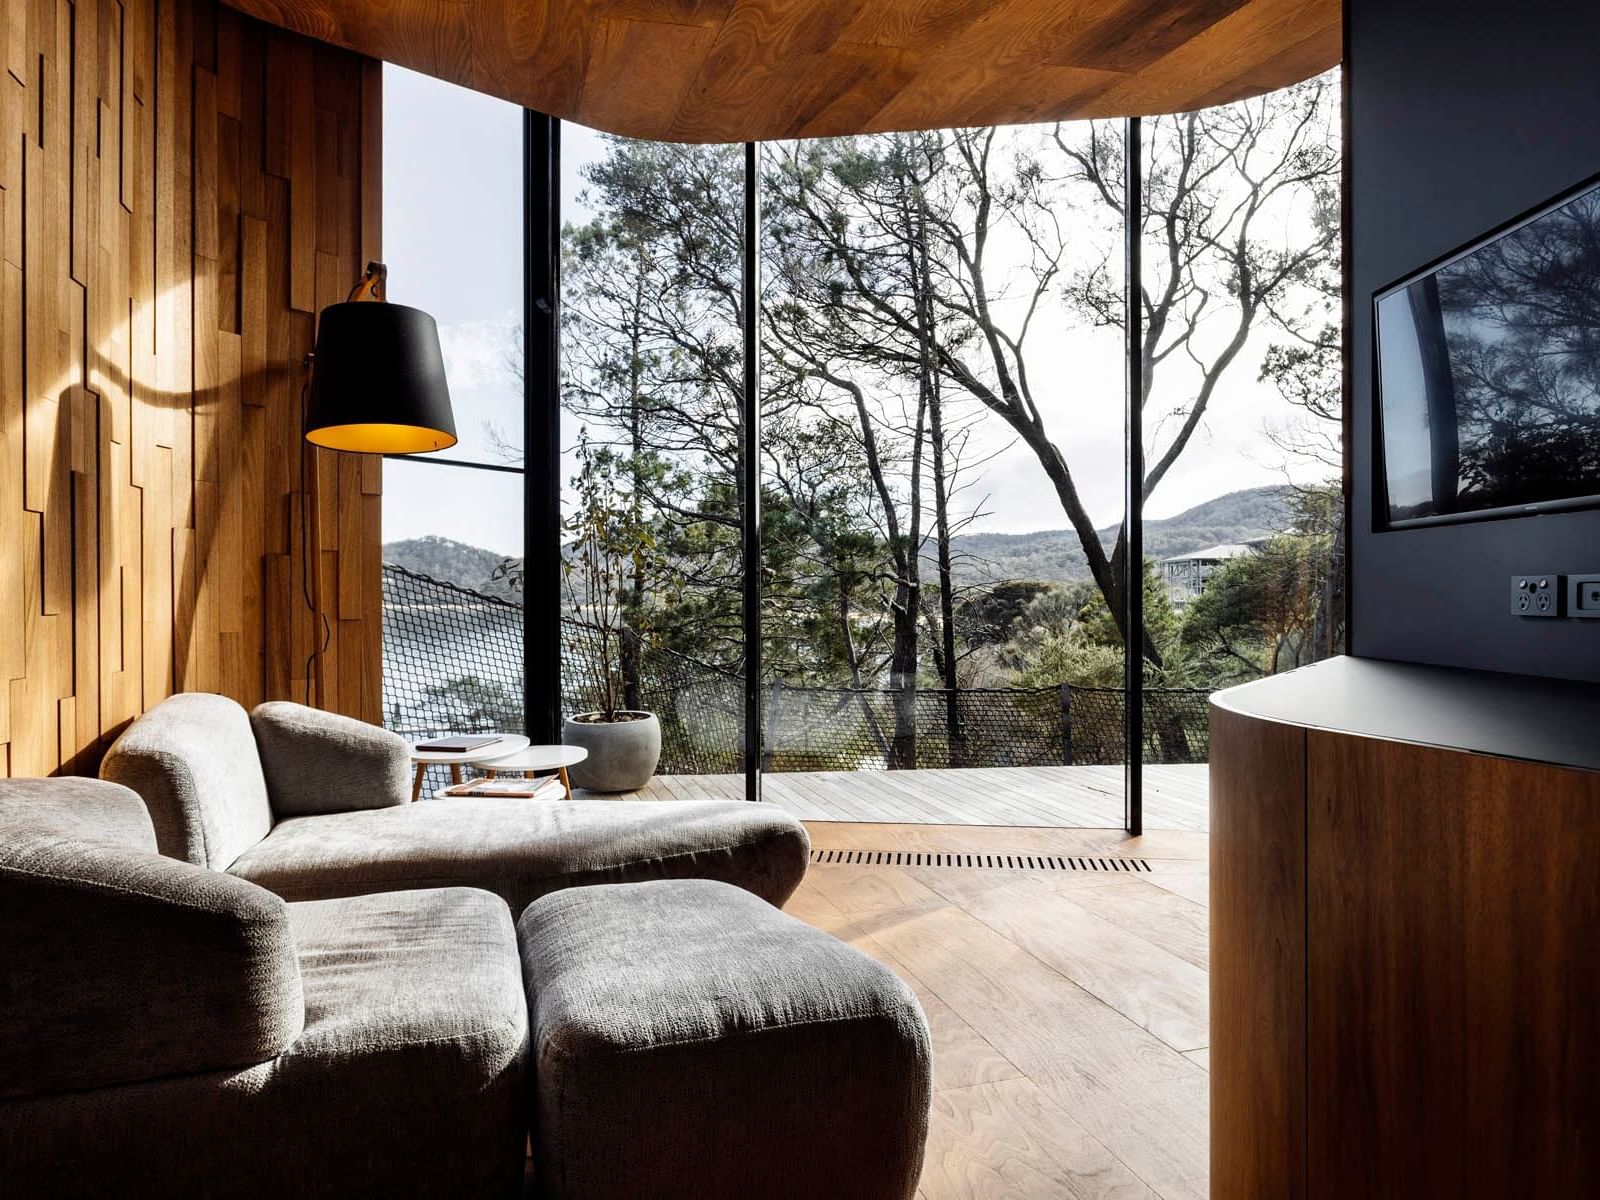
x=1489, y=374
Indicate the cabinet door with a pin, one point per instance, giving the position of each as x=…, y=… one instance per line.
x=1453, y=974
x=1258, y=918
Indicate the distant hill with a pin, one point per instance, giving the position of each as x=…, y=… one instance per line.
x=1050, y=555
x=454, y=562
x=1053, y=555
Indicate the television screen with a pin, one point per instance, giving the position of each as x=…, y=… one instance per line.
x=1489, y=374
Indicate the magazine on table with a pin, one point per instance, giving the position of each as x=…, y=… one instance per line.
x=548, y=788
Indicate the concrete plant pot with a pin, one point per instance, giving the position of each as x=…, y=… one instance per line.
x=622, y=754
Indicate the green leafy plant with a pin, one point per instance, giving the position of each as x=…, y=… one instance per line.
x=608, y=545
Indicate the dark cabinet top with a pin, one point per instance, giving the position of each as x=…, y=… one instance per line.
x=1484, y=712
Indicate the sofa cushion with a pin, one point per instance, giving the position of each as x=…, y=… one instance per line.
x=428, y=978
x=522, y=849
x=321, y=762
x=408, y=1079
x=690, y=1041
x=117, y=964
x=193, y=760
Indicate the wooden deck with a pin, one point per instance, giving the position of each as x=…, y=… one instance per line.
x=1047, y=797
x=1068, y=1008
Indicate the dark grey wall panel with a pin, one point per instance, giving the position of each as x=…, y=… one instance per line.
x=1463, y=115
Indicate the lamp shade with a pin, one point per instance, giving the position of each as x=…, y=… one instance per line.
x=377, y=381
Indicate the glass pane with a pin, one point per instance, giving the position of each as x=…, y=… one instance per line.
x=943, y=477
x=452, y=645
x=1243, y=518
x=452, y=239
x=452, y=617
x=652, y=364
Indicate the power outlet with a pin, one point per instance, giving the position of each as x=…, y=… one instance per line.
x=1537, y=596
x=1583, y=597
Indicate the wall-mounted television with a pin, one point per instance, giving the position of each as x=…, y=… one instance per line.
x=1489, y=374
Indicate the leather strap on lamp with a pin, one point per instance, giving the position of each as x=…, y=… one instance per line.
x=377, y=376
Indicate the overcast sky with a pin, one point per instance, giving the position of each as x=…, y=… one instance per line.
x=452, y=241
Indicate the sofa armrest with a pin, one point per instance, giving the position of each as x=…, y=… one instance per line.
x=91, y=810
x=320, y=762
x=118, y=965
x=192, y=759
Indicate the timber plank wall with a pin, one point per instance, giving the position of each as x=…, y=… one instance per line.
x=181, y=189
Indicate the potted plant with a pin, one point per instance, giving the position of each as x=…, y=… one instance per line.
x=608, y=546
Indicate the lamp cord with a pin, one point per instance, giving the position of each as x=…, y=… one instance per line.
x=305, y=542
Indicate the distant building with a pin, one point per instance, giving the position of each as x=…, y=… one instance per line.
x=1186, y=574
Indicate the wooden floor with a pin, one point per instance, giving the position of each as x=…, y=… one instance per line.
x=1175, y=797
x=1068, y=1009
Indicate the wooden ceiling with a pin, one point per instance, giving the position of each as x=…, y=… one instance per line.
x=743, y=70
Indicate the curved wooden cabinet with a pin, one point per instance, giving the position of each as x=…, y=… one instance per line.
x=1405, y=963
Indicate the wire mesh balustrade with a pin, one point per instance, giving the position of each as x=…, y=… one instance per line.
x=452, y=662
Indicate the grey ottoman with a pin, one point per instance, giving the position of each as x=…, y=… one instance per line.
x=694, y=1043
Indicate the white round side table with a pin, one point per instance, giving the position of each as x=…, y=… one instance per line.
x=537, y=758
x=508, y=743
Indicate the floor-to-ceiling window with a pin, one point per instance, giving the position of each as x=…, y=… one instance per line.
x=453, y=522
x=652, y=362
x=1243, y=508
x=942, y=477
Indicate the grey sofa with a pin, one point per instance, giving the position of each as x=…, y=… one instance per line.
x=313, y=805
x=171, y=1030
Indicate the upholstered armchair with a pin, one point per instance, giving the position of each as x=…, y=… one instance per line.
x=314, y=805
x=171, y=1030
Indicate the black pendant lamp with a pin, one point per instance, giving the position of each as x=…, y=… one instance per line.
x=377, y=376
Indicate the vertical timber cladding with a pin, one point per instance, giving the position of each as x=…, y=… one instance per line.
x=181, y=188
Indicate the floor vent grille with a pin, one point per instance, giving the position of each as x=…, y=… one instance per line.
x=984, y=862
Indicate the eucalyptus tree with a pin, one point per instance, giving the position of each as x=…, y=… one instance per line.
x=653, y=360
x=875, y=380
x=1022, y=231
